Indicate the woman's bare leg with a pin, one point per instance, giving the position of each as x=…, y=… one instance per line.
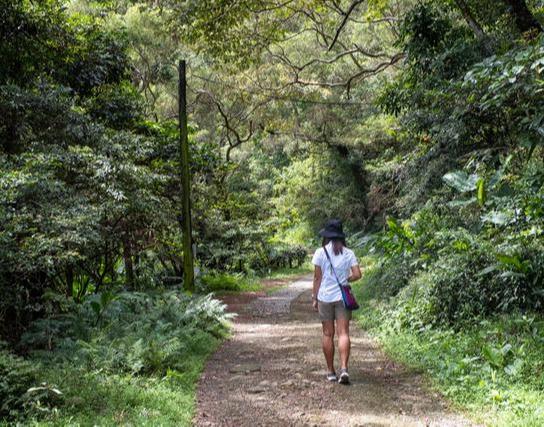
x=344, y=343
x=328, y=343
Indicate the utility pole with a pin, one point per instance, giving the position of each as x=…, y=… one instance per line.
x=188, y=262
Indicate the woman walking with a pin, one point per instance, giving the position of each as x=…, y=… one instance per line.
x=334, y=263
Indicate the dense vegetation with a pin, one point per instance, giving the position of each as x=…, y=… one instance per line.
x=419, y=123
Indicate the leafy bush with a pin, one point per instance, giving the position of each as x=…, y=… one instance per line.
x=143, y=350
x=474, y=256
x=133, y=332
x=17, y=376
x=287, y=256
x=228, y=282
x=493, y=363
x=394, y=274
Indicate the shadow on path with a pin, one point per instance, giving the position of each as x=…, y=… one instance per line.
x=271, y=373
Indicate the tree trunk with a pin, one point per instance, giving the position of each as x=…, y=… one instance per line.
x=524, y=19
x=129, y=266
x=358, y=173
x=474, y=25
x=69, y=281
x=356, y=169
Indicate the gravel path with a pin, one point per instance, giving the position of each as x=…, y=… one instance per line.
x=271, y=373
x=279, y=303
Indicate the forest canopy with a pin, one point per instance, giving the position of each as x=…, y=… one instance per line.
x=371, y=111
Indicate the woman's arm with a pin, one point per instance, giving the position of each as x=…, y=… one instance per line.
x=355, y=274
x=318, y=275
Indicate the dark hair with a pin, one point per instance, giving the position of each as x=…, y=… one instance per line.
x=338, y=245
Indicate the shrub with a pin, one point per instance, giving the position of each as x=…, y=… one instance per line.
x=441, y=271
x=287, y=256
x=393, y=274
x=133, y=332
x=462, y=286
x=16, y=377
x=216, y=281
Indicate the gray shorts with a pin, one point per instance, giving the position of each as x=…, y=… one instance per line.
x=332, y=311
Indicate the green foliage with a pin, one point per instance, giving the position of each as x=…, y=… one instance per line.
x=228, y=282
x=217, y=281
x=466, y=249
x=117, y=106
x=492, y=367
x=222, y=29
x=461, y=181
x=146, y=349
x=137, y=332
x=314, y=189
x=411, y=124
x=424, y=33
x=21, y=395
x=17, y=377
x=31, y=36
x=452, y=275
x=140, y=339
x=86, y=184
x=287, y=256
x=508, y=86
x=109, y=399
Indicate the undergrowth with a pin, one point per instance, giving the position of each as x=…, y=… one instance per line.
x=238, y=282
x=128, y=358
x=492, y=367
x=286, y=273
x=132, y=358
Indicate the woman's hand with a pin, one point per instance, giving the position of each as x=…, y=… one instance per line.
x=314, y=304
x=354, y=274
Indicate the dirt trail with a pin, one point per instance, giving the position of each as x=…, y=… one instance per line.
x=271, y=373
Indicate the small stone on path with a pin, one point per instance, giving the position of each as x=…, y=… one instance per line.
x=240, y=369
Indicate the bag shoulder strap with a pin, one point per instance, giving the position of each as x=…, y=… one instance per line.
x=332, y=266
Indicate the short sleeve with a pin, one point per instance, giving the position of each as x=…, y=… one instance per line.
x=352, y=259
x=318, y=257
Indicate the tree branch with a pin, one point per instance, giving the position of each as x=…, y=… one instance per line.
x=230, y=130
x=344, y=21
x=474, y=25
x=349, y=81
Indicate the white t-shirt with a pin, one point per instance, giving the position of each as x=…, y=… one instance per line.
x=329, y=290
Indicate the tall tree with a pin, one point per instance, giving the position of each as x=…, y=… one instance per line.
x=474, y=24
x=523, y=17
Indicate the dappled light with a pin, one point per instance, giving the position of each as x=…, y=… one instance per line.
x=273, y=368
x=198, y=199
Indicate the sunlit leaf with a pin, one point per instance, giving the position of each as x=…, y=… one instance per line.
x=461, y=181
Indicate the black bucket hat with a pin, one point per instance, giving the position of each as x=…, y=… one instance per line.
x=333, y=230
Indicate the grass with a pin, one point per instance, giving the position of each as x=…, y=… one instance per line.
x=224, y=283
x=288, y=273
x=493, y=369
x=105, y=398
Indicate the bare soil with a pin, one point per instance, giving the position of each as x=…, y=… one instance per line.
x=272, y=373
